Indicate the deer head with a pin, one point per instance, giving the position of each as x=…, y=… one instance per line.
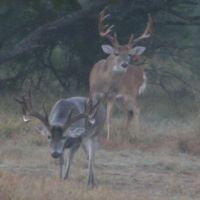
x=59, y=136
x=122, y=54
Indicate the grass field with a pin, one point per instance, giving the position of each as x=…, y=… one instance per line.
x=163, y=164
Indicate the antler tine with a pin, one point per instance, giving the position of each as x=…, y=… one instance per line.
x=115, y=39
x=70, y=115
x=147, y=32
x=27, y=109
x=30, y=97
x=18, y=100
x=42, y=118
x=90, y=112
x=70, y=120
x=93, y=110
x=105, y=30
x=45, y=111
x=23, y=103
x=130, y=41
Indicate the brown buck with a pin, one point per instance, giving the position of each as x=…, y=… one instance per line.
x=115, y=79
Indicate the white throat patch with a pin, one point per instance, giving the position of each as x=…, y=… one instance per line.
x=144, y=84
x=119, y=69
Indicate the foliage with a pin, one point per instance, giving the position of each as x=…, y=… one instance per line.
x=56, y=42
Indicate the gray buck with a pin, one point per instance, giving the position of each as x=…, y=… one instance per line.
x=117, y=81
x=72, y=123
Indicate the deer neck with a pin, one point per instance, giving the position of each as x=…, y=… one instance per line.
x=114, y=75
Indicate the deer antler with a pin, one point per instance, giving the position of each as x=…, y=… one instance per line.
x=105, y=30
x=91, y=109
x=27, y=109
x=89, y=113
x=147, y=32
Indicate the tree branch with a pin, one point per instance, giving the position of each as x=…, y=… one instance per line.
x=42, y=34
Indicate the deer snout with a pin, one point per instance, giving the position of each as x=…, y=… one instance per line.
x=55, y=154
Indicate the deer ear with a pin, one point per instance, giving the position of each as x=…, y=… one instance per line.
x=107, y=49
x=137, y=50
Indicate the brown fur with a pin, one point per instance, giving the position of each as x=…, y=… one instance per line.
x=102, y=78
x=121, y=89
x=114, y=79
x=132, y=81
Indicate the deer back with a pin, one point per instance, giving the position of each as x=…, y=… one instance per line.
x=62, y=108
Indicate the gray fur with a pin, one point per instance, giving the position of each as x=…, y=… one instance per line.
x=80, y=133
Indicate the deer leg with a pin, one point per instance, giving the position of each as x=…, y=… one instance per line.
x=61, y=162
x=91, y=180
x=108, y=117
x=136, y=120
x=129, y=120
x=66, y=163
x=90, y=150
x=133, y=125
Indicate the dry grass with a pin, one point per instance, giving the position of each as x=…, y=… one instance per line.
x=19, y=187
x=125, y=174
x=170, y=134
x=163, y=164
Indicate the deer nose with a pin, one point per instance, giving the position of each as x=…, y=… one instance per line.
x=124, y=65
x=55, y=154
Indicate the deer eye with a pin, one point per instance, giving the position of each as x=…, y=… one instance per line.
x=49, y=137
x=116, y=54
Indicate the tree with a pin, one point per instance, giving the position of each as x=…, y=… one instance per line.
x=57, y=40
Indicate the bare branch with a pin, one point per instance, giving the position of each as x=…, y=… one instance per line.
x=42, y=34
